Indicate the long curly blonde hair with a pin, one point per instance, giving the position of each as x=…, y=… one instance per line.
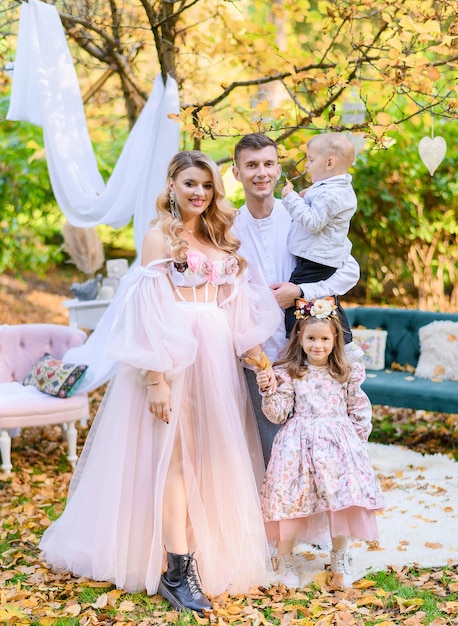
x=294, y=358
x=215, y=222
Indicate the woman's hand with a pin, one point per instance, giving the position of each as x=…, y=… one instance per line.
x=159, y=401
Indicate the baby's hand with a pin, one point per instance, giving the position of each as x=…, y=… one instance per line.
x=266, y=380
x=288, y=188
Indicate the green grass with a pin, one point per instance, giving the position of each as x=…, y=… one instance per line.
x=61, y=621
x=22, y=499
x=386, y=427
x=18, y=578
x=51, y=512
x=398, y=591
x=88, y=595
x=428, y=433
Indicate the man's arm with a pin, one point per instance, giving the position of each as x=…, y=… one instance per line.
x=339, y=283
x=344, y=279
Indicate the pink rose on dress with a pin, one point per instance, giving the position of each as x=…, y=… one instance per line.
x=195, y=262
x=232, y=266
x=210, y=270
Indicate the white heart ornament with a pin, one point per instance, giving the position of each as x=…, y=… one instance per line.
x=432, y=152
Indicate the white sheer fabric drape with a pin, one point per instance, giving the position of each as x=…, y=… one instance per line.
x=46, y=92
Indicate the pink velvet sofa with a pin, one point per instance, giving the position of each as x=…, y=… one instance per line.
x=21, y=346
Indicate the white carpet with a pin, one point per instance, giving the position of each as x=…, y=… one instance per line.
x=419, y=524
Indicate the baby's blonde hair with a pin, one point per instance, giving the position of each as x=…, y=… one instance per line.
x=337, y=145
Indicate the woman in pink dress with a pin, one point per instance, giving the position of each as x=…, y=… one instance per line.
x=319, y=480
x=172, y=466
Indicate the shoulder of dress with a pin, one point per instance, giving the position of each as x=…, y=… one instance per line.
x=156, y=266
x=157, y=263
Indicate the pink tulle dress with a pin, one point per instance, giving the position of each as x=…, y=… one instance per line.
x=320, y=481
x=111, y=528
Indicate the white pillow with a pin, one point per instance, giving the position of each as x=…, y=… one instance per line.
x=438, y=351
x=372, y=342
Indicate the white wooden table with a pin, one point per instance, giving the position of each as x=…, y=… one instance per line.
x=85, y=313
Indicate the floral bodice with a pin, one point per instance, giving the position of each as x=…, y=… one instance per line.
x=199, y=269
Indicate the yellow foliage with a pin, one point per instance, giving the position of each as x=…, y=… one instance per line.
x=433, y=73
x=408, y=603
x=432, y=26
x=263, y=106
x=364, y=584
x=369, y=600
x=383, y=118
x=8, y=613
x=320, y=122
x=378, y=130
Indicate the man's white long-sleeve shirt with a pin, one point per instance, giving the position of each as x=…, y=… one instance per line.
x=264, y=245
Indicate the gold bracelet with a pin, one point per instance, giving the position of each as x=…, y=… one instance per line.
x=155, y=382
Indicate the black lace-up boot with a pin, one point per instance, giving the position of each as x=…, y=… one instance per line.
x=180, y=584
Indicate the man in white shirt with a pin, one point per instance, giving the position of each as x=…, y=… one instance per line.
x=262, y=226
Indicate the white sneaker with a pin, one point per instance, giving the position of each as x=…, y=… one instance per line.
x=353, y=352
x=283, y=565
x=340, y=566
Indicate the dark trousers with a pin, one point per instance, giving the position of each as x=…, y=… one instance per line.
x=267, y=430
x=310, y=272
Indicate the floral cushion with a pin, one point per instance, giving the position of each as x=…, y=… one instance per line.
x=438, y=351
x=54, y=377
x=372, y=342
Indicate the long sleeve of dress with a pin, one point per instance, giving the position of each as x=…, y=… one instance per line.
x=253, y=314
x=278, y=406
x=147, y=330
x=358, y=404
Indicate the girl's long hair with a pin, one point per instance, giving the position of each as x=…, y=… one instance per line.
x=215, y=222
x=294, y=358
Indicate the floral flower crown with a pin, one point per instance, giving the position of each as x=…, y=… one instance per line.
x=322, y=308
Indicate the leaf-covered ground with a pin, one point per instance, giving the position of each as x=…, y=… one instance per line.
x=34, y=494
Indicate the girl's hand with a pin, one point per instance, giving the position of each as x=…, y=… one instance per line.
x=288, y=188
x=272, y=380
x=159, y=401
x=266, y=381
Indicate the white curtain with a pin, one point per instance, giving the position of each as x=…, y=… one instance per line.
x=46, y=92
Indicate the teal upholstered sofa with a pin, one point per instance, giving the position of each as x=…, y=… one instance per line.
x=400, y=388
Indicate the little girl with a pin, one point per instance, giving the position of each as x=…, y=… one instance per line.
x=319, y=480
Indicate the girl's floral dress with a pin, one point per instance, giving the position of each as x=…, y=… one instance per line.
x=320, y=479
